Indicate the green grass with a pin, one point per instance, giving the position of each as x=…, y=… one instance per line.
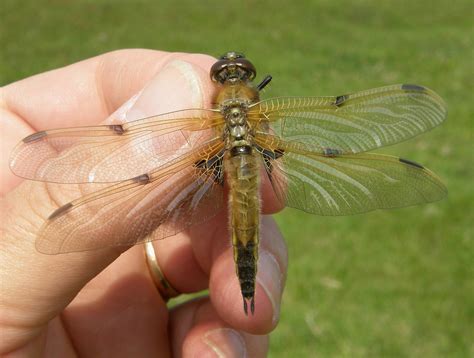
x=385, y=284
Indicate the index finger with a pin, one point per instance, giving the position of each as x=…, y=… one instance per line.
x=32, y=280
x=84, y=93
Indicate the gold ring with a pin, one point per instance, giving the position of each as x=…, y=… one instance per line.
x=164, y=287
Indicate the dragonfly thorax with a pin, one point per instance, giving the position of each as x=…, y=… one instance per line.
x=233, y=101
x=236, y=122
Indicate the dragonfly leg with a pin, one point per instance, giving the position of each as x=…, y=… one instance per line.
x=264, y=82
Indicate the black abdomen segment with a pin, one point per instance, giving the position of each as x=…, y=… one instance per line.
x=247, y=271
x=240, y=150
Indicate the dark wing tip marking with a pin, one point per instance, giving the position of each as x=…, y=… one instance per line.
x=331, y=152
x=142, y=179
x=60, y=211
x=340, y=100
x=410, y=87
x=412, y=163
x=117, y=128
x=34, y=137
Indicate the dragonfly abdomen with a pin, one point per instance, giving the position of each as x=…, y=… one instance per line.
x=242, y=168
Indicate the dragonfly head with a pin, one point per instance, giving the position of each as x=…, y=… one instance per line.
x=233, y=67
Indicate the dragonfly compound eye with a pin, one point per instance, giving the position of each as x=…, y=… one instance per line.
x=233, y=69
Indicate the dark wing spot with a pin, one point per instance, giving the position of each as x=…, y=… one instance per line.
x=60, y=211
x=219, y=175
x=269, y=156
x=117, y=129
x=214, y=163
x=409, y=162
x=142, y=179
x=34, y=137
x=215, y=160
x=331, y=152
x=409, y=87
x=340, y=100
x=201, y=164
x=278, y=153
x=268, y=164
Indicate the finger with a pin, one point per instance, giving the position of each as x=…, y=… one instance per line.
x=81, y=94
x=187, y=259
x=124, y=306
x=203, y=257
x=86, y=92
x=190, y=82
x=271, y=275
x=224, y=286
x=196, y=330
x=44, y=288
x=81, y=266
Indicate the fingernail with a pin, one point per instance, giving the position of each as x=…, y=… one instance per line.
x=226, y=342
x=178, y=77
x=270, y=279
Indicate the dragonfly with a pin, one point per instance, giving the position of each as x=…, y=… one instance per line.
x=172, y=171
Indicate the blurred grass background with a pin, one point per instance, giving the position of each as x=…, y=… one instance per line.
x=385, y=284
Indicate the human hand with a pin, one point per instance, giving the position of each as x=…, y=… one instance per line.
x=104, y=302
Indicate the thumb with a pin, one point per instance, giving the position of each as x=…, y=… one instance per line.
x=36, y=287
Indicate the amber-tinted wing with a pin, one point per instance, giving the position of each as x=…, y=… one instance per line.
x=155, y=205
x=112, y=153
x=350, y=123
x=348, y=184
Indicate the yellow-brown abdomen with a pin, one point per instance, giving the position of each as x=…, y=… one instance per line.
x=244, y=203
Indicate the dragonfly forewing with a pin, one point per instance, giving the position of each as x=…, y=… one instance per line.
x=351, y=123
x=112, y=153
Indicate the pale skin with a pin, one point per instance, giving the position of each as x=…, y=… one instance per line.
x=104, y=302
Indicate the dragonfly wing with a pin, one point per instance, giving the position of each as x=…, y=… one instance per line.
x=151, y=206
x=349, y=184
x=350, y=123
x=111, y=153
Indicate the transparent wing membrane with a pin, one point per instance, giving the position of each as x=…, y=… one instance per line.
x=150, y=206
x=112, y=153
x=351, y=184
x=350, y=123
